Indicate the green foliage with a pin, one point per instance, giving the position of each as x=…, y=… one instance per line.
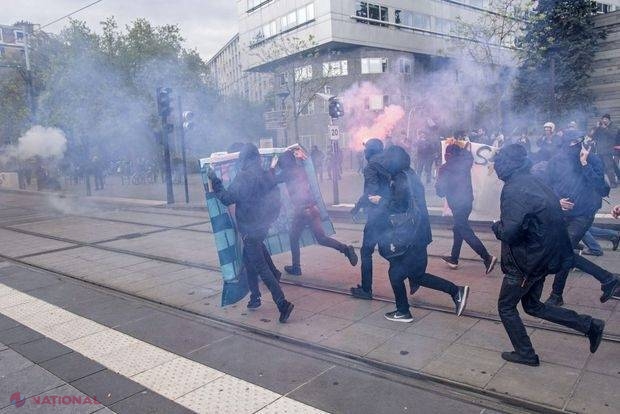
x=557, y=51
x=100, y=90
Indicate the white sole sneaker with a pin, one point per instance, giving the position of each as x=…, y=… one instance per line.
x=463, y=301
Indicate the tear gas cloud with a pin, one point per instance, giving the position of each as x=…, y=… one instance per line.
x=38, y=141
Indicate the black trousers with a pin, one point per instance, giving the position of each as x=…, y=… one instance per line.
x=413, y=265
x=577, y=227
x=258, y=262
x=425, y=164
x=610, y=169
x=462, y=231
x=310, y=217
x=373, y=231
x=512, y=293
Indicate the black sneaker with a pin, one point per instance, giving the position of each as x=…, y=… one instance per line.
x=293, y=270
x=489, y=264
x=460, y=299
x=554, y=300
x=396, y=316
x=615, y=242
x=595, y=334
x=287, y=308
x=452, y=264
x=351, y=255
x=254, y=303
x=360, y=293
x=611, y=290
x=520, y=359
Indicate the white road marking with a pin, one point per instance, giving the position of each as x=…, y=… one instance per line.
x=188, y=383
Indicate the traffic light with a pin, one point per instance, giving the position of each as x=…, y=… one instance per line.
x=188, y=123
x=163, y=102
x=336, y=110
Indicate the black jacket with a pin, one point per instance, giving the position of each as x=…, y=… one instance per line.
x=253, y=191
x=405, y=188
x=376, y=182
x=584, y=185
x=534, y=238
x=454, y=181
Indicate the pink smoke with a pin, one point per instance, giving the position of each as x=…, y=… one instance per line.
x=363, y=123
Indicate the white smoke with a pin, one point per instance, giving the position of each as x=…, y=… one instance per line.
x=40, y=141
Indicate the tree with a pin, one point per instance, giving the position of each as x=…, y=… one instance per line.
x=292, y=61
x=557, y=51
x=489, y=41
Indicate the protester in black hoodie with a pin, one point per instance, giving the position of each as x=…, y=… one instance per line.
x=576, y=177
x=407, y=197
x=535, y=243
x=376, y=182
x=305, y=210
x=454, y=183
x=257, y=200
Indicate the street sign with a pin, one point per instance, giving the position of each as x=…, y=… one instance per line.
x=334, y=132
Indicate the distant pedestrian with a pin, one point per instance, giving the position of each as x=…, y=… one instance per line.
x=535, y=243
x=454, y=183
x=257, y=200
x=318, y=160
x=606, y=137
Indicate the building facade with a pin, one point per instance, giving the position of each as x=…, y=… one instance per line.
x=12, y=42
x=228, y=77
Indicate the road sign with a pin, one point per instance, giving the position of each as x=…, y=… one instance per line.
x=334, y=132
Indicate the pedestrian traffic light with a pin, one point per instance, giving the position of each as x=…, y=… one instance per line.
x=336, y=109
x=163, y=102
x=188, y=117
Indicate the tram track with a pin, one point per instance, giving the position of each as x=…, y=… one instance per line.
x=489, y=399
x=614, y=338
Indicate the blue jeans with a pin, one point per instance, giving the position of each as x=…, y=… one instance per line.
x=589, y=239
x=373, y=231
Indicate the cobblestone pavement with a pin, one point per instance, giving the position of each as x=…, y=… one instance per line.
x=167, y=257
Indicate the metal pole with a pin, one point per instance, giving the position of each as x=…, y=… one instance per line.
x=182, y=132
x=335, y=167
x=409, y=121
x=31, y=100
x=165, y=139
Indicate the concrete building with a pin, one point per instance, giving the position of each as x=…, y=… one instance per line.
x=228, y=77
x=388, y=42
x=605, y=79
x=12, y=41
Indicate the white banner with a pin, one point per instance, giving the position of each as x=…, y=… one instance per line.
x=487, y=187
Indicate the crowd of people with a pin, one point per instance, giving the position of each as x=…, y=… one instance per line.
x=548, y=203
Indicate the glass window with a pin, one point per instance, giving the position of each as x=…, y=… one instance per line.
x=477, y=3
x=405, y=66
x=443, y=25
x=371, y=11
x=335, y=68
x=310, y=11
x=374, y=65
x=301, y=15
x=422, y=21
x=303, y=73
x=404, y=17
x=375, y=102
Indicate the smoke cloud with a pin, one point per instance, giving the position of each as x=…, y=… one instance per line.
x=41, y=141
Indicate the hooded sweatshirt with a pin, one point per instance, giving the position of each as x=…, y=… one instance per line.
x=454, y=178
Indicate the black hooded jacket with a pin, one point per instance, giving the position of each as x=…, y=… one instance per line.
x=534, y=238
x=376, y=182
x=253, y=191
x=406, y=187
x=454, y=178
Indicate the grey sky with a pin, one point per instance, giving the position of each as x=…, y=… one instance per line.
x=205, y=24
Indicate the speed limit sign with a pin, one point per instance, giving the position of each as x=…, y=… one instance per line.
x=334, y=132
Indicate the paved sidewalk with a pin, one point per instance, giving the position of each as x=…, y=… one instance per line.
x=102, y=247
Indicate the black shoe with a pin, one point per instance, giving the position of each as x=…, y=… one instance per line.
x=287, y=308
x=254, y=303
x=588, y=252
x=520, y=359
x=360, y=293
x=581, y=246
x=611, y=290
x=614, y=242
x=489, y=264
x=595, y=334
x=351, y=255
x=554, y=300
x=396, y=316
x=460, y=299
x=293, y=270
x=452, y=264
